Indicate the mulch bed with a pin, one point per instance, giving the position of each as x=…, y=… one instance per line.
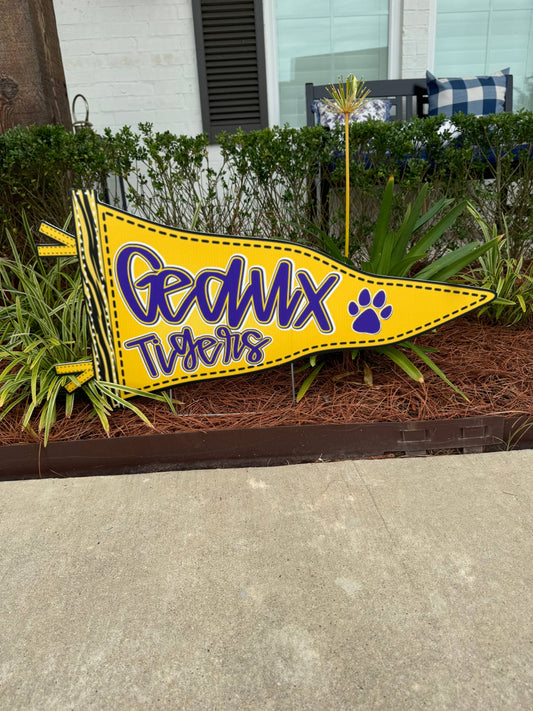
x=492, y=365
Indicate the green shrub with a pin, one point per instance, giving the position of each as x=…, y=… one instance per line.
x=39, y=165
x=259, y=184
x=263, y=183
x=399, y=252
x=454, y=162
x=166, y=176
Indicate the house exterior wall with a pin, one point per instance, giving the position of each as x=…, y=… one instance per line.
x=136, y=61
x=418, y=18
x=133, y=60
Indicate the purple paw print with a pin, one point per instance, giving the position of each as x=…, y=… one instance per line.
x=370, y=312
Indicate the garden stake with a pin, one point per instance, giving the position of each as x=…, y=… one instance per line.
x=347, y=102
x=293, y=387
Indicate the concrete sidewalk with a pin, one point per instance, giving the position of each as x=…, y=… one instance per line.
x=387, y=584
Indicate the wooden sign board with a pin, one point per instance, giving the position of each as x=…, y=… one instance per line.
x=168, y=306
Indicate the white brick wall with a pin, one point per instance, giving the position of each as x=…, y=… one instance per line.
x=417, y=37
x=134, y=60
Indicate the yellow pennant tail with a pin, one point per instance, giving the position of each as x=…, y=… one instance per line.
x=66, y=246
x=80, y=372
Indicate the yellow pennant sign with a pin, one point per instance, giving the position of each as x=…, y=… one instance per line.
x=168, y=306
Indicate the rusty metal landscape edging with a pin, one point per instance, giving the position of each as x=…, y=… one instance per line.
x=258, y=447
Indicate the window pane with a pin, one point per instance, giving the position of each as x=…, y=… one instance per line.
x=320, y=40
x=488, y=36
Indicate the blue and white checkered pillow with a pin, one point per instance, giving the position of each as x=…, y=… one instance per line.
x=473, y=95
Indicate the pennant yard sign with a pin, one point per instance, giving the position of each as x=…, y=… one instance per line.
x=168, y=306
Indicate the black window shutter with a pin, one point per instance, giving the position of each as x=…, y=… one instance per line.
x=231, y=65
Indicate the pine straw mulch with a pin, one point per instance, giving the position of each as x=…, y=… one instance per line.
x=492, y=365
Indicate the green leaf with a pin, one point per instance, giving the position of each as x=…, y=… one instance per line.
x=401, y=268
x=429, y=239
x=410, y=223
x=422, y=354
x=304, y=387
x=384, y=265
x=107, y=389
x=430, y=213
x=452, y=263
x=382, y=225
x=401, y=360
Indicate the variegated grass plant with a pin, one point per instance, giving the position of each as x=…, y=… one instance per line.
x=345, y=99
x=44, y=323
x=506, y=275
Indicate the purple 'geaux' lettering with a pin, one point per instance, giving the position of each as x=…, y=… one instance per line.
x=160, y=283
x=221, y=295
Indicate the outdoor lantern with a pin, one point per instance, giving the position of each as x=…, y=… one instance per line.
x=77, y=123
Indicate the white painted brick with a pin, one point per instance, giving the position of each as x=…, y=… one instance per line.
x=102, y=31
x=168, y=59
x=416, y=20
x=190, y=71
x=128, y=45
x=131, y=102
x=101, y=93
x=416, y=4
x=185, y=11
x=165, y=12
x=123, y=14
x=165, y=44
x=162, y=75
x=141, y=88
x=76, y=49
x=91, y=62
x=159, y=29
x=129, y=28
x=134, y=60
x=174, y=102
x=409, y=47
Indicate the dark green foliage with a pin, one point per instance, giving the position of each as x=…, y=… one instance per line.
x=165, y=175
x=39, y=166
x=486, y=160
x=274, y=169
x=261, y=183
x=398, y=252
x=507, y=276
x=255, y=184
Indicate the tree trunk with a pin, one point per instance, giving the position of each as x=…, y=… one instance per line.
x=32, y=80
